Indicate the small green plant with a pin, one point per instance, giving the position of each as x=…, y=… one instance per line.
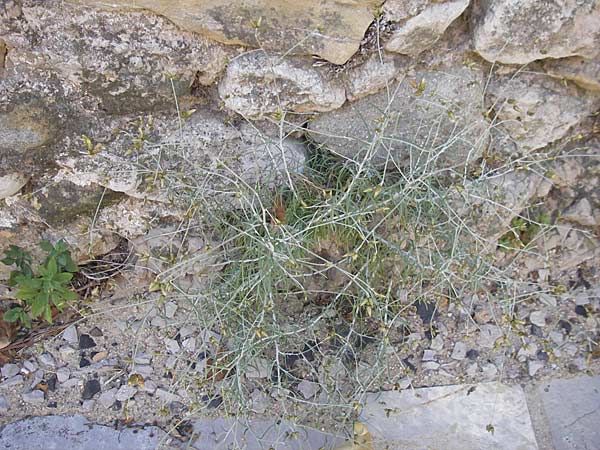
x=39, y=292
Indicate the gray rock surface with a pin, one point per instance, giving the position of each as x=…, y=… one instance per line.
x=521, y=31
x=311, y=27
x=422, y=31
x=257, y=84
x=75, y=433
x=573, y=411
x=431, y=115
x=451, y=418
x=536, y=110
x=222, y=434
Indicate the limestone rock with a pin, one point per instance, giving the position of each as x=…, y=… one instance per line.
x=422, y=31
x=374, y=74
x=397, y=124
x=536, y=110
x=582, y=71
x=580, y=212
x=331, y=30
x=131, y=61
x=257, y=84
x=521, y=31
x=11, y=184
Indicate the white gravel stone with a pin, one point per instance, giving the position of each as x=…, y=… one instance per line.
x=459, y=352
x=108, y=398
x=189, y=344
x=66, y=352
x=47, y=359
x=150, y=386
x=428, y=355
x=63, y=374
x=556, y=337
x=71, y=382
x=125, y=392
x=37, y=378
x=170, y=309
x=259, y=401
x=70, y=335
x=88, y=405
x=34, y=397
x=437, y=343
x=528, y=350
x=143, y=369
x=488, y=335
x=172, y=345
x=167, y=396
x=30, y=366
x=10, y=370
x=534, y=366
x=185, y=332
x=538, y=318
x=308, y=389
x=489, y=371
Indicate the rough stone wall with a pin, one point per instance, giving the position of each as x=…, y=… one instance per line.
x=90, y=92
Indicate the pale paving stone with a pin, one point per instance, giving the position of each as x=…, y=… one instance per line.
x=76, y=433
x=573, y=411
x=450, y=418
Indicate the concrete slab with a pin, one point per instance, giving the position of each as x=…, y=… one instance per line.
x=572, y=408
x=76, y=433
x=459, y=417
x=225, y=434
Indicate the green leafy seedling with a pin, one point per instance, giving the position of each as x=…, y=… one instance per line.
x=49, y=287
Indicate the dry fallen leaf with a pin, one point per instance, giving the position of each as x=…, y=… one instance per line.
x=362, y=439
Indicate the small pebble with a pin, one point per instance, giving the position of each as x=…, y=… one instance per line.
x=428, y=355
x=108, y=398
x=125, y=392
x=142, y=358
x=538, y=318
x=437, y=343
x=150, y=386
x=142, y=369
x=534, y=367
x=537, y=331
x=99, y=356
x=96, y=332
x=556, y=337
x=90, y=388
x=170, y=309
x=430, y=365
x=580, y=310
x=542, y=356
x=172, y=345
x=10, y=370
x=308, y=389
x=189, y=344
x=488, y=335
x=71, y=382
x=51, y=382
x=70, y=335
x=65, y=352
x=63, y=374
x=84, y=362
x=472, y=354
x=85, y=342
x=47, y=360
x=30, y=366
x=459, y=352
x=88, y=405
x=166, y=396
x=34, y=397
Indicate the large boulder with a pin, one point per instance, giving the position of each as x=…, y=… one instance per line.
x=258, y=84
x=128, y=61
x=422, y=23
x=521, y=31
x=331, y=30
x=429, y=117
